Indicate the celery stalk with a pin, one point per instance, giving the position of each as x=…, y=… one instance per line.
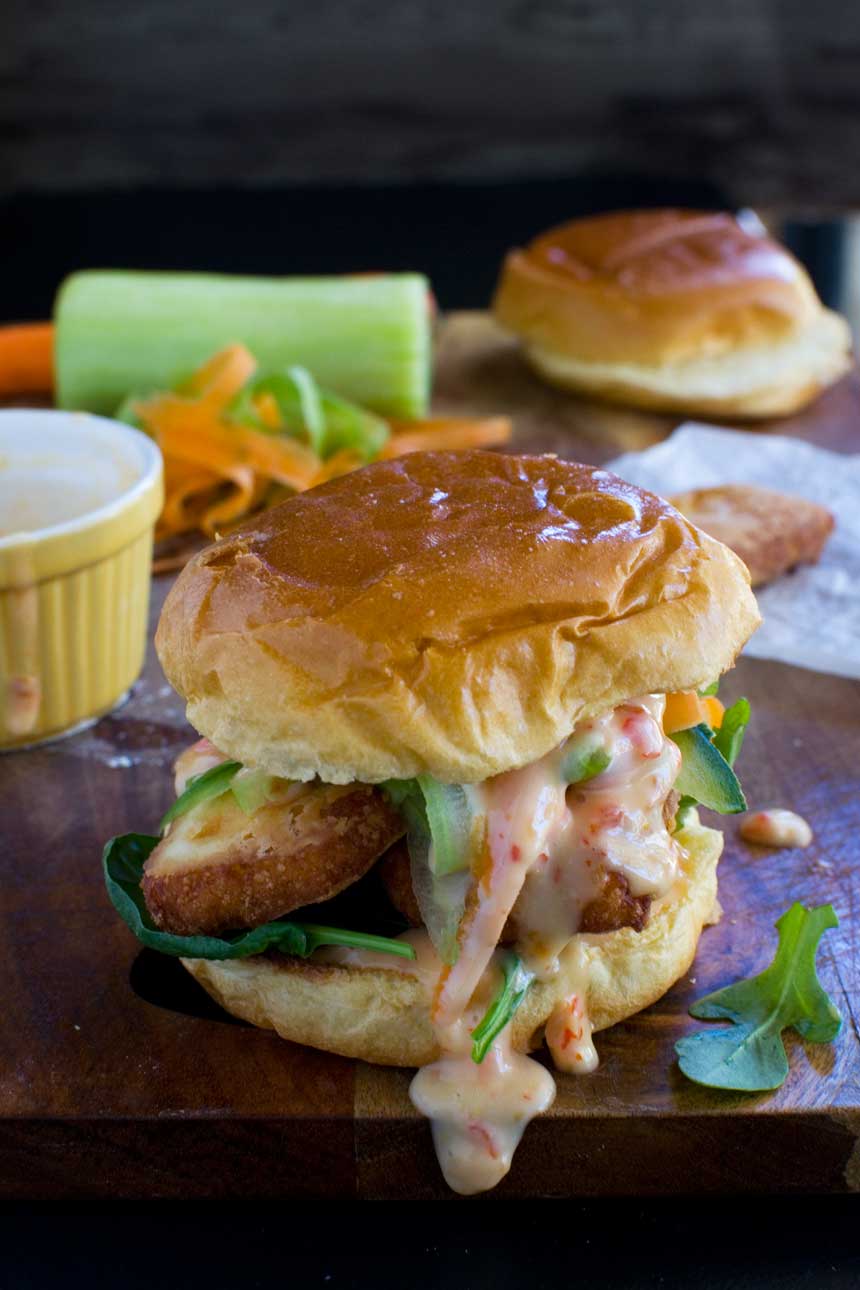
x=367, y=338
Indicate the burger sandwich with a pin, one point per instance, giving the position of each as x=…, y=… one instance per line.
x=673, y=310
x=480, y=688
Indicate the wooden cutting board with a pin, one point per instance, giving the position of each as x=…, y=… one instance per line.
x=118, y=1077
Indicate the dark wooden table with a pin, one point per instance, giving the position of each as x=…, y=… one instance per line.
x=118, y=1077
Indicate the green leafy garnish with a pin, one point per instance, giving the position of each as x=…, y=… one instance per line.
x=517, y=980
x=200, y=788
x=709, y=691
x=749, y=1055
x=123, y=860
x=730, y=736
x=705, y=774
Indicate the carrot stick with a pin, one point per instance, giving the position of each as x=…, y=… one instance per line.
x=27, y=359
x=683, y=709
x=715, y=710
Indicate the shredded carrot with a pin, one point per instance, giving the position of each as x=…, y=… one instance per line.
x=223, y=375
x=27, y=359
x=267, y=411
x=446, y=433
x=341, y=463
x=217, y=470
x=185, y=496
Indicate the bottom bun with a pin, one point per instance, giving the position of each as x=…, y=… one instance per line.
x=382, y=1015
x=767, y=381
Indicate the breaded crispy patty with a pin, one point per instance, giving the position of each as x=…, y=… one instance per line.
x=612, y=908
x=219, y=869
x=771, y=532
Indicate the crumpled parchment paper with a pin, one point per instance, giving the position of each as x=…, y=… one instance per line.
x=812, y=615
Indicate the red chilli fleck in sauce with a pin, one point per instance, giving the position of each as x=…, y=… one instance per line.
x=483, y=1135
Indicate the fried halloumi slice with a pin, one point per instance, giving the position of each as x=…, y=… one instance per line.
x=771, y=532
x=218, y=868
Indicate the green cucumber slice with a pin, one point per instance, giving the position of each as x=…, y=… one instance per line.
x=583, y=761
x=212, y=783
x=705, y=773
x=449, y=816
x=368, y=338
x=252, y=789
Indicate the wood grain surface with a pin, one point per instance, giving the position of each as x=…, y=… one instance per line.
x=757, y=96
x=118, y=1077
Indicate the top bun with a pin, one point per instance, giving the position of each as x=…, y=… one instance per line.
x=445, y=613
x=672, y=309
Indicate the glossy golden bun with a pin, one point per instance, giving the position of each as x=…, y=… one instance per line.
x=445, y=613
x=672, y=310
x=383, y=1016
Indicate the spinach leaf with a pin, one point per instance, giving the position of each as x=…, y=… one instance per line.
x=123, y=860
x=749, y=1055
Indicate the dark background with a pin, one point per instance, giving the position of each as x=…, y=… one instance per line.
x=758, y=96
x=320, y=137
x=288, y=136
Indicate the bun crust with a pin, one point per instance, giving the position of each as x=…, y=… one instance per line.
x=445, y=613
x=383, y=1016
x=672, y=310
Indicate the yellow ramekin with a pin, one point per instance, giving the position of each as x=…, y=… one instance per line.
x=74, y=596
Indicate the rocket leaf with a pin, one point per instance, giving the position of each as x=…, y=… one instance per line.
x=515, y=984
x=749, y=1055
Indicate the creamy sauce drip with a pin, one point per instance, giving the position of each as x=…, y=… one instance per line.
x=546, y=844
x=613, y=822
x=479, y=1112
x=568, y=1030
